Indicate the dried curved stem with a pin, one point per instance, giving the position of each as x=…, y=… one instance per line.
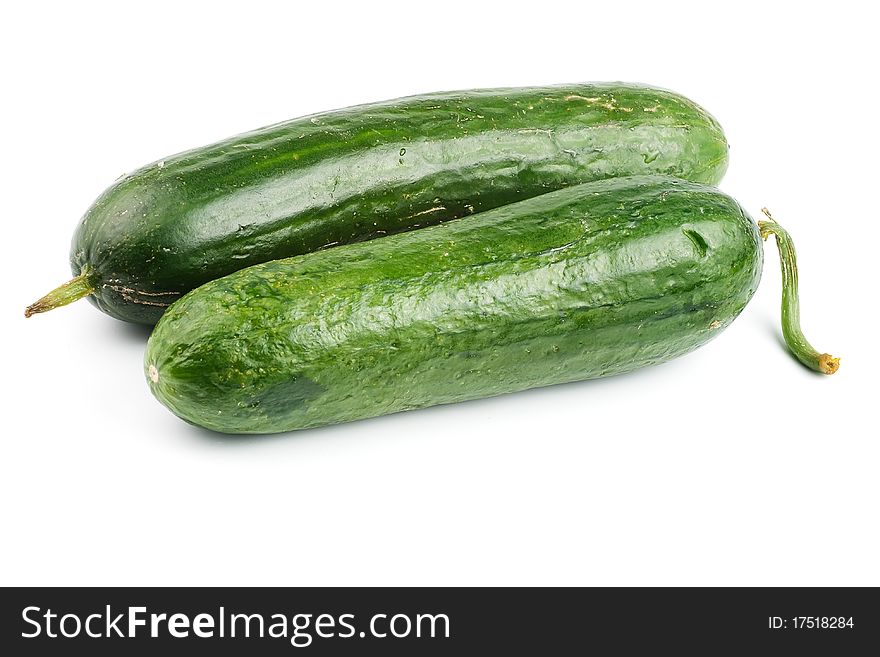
x=791, y=311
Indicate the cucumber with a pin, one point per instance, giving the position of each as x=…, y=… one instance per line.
x=587, y=281
x=364, y=172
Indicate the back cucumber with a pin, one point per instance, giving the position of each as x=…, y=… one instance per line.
x=369, y=171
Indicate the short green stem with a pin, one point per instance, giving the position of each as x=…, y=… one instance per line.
x=73, y=290
x=791, y=312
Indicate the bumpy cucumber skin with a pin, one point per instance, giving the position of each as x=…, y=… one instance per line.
x=372, y=170
x=584, y=282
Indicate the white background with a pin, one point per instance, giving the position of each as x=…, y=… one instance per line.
x=733, y=465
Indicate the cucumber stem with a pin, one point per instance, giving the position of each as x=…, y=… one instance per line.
x=73, y=290
x=791, y=310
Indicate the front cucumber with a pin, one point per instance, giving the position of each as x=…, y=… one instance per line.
x=588, y=281
x=369, y=171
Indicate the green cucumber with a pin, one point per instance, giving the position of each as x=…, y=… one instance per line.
x=367, y=171
x=588, y=281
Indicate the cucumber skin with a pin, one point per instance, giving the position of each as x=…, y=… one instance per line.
x=584, y=282
x=372, y=170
